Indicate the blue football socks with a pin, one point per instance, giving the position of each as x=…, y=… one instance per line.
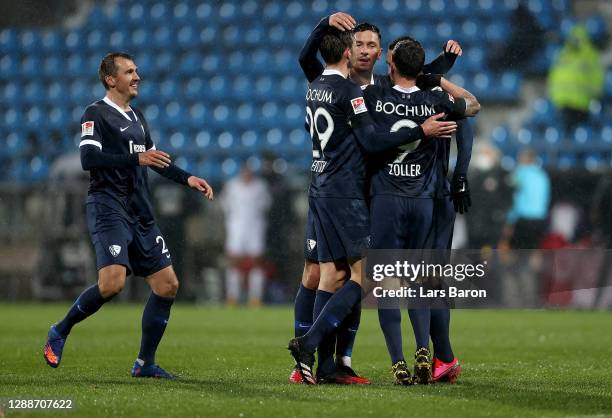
x=336, y=310
x=303, y=310
x=88, y=303
x=440, y=325
x=154, y=320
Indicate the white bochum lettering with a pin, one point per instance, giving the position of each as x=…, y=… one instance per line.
x=317, y=95
x=400, y=109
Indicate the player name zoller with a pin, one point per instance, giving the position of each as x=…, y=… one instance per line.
x=390, y=108
x=408, y=292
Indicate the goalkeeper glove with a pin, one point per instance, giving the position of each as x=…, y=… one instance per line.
x=460, y=194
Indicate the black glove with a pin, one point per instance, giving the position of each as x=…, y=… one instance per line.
x=428, y=81
x=460, y=194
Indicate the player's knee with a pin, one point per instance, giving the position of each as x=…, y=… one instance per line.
x=311, y=276
x=168, y=288
x=111, y=285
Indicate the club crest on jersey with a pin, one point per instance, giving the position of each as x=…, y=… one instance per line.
x=359, y=105
x=87, y=128
x=114, y=250
x=311, y=244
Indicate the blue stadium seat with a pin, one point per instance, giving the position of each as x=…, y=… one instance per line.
x=272, y=11
x=29, y=42
x=245, y=114
x=176, y=142
x=8, y=40
x=593, y=161
x=197, y=114
x=606, y=134
x=525, y=136
x=188, y=37
x=74, y=40
x=181, y=13
x=295, y=11
x=15, y=143
x=96, y=39
x=30, y=66
x=500, y=135
x=221, y=116
x=608, y=84
x=119, y=39
x=277, y=35
x=248, y=9
x=241, y=87
x=583, y=134
x=163, y=38
x=553, y=135
x=58, y=117
x=11, y=94
x=203, y=13
x=9, y=67
x=158, y=13
x=596, y=26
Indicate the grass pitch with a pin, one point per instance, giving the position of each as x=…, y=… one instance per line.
x=234, y=363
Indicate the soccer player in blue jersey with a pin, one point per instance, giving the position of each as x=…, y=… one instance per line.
x=116, y=148
x=410, y=205
x=338, y=219
x=366, y=52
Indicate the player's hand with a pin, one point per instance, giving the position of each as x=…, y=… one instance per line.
x=342, y=21
x=460, y=194
x=453, y=47
x=201, y=185
x=433, y=127
x=155, y=158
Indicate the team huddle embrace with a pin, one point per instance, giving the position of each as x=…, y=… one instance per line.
x=381, y=149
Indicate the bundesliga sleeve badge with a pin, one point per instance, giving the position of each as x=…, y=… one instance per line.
x=359, y=105
x=87, y=128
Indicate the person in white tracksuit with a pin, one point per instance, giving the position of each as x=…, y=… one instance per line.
x=245, y=201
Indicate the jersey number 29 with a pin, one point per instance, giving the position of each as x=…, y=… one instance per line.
x=322, y=138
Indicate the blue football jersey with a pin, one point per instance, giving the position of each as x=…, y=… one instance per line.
x=338, y=168
x=108, y=127
x=418, y=169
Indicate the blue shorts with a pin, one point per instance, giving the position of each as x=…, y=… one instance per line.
x=118, y=240
x=400, y=222
x=336, y=228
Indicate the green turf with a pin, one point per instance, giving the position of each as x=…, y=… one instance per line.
x=234, y=363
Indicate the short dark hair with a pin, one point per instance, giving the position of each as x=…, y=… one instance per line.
x=333, y=45
x=397, y=40
x=408, y=56
x=109, y=67
x=365, y=26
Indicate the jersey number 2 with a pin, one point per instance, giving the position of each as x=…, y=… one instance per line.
x=164, y=249
x=408, y=148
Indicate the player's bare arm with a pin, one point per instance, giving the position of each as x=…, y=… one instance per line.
x=472, y=106
x=154, y=158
